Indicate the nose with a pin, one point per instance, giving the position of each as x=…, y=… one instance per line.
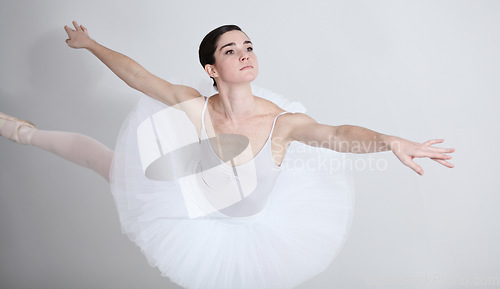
x=244, y=56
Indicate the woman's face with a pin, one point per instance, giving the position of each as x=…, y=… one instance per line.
x=235, y=61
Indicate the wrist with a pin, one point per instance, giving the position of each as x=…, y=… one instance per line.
x=91, y=45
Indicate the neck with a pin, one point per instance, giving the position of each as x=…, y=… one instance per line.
x=235, y=102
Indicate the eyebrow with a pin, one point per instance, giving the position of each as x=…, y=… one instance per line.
x=232, y=44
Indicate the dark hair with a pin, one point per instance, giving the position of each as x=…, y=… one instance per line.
x=209, y=44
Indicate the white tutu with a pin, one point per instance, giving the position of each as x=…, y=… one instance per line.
x=296, y=237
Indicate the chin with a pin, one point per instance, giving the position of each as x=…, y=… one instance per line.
x=253, y=77
x=247, y=79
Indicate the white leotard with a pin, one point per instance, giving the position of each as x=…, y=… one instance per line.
x=207, y=226
x=238, y=191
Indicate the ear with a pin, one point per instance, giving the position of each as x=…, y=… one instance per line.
x=210, y=69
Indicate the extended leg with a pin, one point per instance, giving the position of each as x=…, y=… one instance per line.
x=74, y=147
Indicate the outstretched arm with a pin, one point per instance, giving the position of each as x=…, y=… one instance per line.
x=131, y=72
x=356, y=139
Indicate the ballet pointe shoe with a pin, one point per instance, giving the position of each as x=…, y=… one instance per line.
x=16, y=130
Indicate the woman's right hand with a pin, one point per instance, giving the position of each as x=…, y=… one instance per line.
x=78, y=38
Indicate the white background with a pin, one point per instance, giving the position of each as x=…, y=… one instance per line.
x=415, y=69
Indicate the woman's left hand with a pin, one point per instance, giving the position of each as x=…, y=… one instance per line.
x=407, y=150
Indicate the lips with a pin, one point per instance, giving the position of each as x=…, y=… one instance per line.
x=246, y=67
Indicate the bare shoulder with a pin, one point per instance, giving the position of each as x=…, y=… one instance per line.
x=287, y=119
x=192, y=106
x=185, y=93
x=294, y=126
x=188, y=102
x=299, y=118
x=288, y=124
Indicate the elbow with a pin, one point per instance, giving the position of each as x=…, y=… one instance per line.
x=136, y=79
x=338, y=141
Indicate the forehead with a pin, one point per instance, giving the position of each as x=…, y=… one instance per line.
x=235, y=36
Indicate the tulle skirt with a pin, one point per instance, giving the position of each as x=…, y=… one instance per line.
x=296, y=237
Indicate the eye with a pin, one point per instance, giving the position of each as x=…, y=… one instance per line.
x=229, y=51
x=250, y=48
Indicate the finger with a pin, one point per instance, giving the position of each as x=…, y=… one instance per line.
x=68, y=30
x=433, y=141
x=431, y=152
x=76, y=26
x=415, y=167
x=441, y=150
x=444, y=163
x=439, y=156
x=83, y=28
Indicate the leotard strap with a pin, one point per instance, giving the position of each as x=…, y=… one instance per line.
x=274, y=123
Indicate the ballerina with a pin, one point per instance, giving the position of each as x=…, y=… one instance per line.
x=255, y=235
